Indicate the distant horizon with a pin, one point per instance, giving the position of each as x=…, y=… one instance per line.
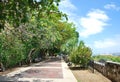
x=115, y=53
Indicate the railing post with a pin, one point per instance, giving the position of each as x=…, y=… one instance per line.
x=93, y=66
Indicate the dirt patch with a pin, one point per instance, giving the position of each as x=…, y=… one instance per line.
x=88, y=76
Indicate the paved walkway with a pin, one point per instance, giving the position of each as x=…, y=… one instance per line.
x=52, y=70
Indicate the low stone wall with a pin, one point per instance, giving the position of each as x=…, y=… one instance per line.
x=110, y=69
x=113, y=71
x=100, y=67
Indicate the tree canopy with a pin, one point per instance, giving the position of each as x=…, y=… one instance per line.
x=34, y=28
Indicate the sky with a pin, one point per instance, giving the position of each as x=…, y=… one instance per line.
x=97, y=22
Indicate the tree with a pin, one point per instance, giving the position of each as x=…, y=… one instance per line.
x=12, y=49
x=69, y=37
x=33, y=28
x=26, y=28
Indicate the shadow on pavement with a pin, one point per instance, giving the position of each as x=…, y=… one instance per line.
x=9, y=79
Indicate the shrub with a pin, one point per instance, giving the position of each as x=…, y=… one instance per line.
x=81, y=55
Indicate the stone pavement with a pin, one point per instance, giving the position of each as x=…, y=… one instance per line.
x=52, y=70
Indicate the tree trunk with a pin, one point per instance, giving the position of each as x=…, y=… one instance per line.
x=2, y=67
x=29, y=56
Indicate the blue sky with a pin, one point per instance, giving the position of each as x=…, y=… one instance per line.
x=97, y=22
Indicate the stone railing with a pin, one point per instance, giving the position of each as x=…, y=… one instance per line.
x=110, y=69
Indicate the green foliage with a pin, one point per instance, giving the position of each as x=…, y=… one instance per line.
x=107, y=58
x=16, y=12
x=12, y=50
x=32, y=28
x=27, y=27
x=69, y=37
x=81, y=55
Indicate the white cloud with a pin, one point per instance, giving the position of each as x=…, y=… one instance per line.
x=66, y=4
x=112, y=6
x=93, y=23
x=108, y=45
x=67, y=7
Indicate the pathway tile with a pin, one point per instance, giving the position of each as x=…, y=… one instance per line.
x=42, y=73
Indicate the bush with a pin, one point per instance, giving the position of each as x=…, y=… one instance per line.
x=81, y=55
